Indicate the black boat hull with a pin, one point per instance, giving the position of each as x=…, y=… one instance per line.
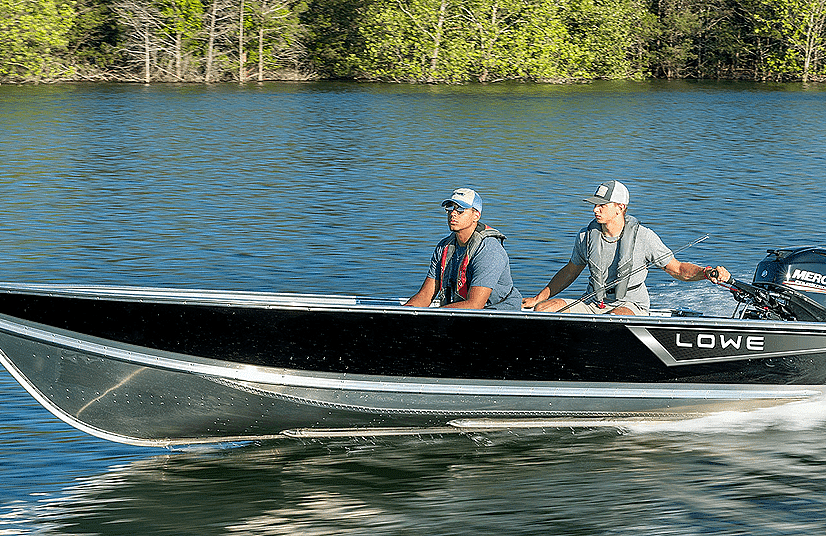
x=158, y=366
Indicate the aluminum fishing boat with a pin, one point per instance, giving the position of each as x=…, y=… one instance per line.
x=151, y=366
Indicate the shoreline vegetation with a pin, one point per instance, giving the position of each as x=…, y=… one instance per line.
x=410, y=41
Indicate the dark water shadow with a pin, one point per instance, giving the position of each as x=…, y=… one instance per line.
x=571, y=482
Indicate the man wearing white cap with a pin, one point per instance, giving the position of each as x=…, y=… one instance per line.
x=469, y=268
x=618, y=251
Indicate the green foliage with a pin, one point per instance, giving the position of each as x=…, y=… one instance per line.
x=277, y=31
x=423, y=41
x=721, y=45
x=182, y=17
x=796, y=27
x=94, y=36
x=674, y=36
x=603, y=30
x=490, y=26
x=456, y=41
x=414, y=41
x=180, y=26
x=333, y=38
x=32, y=32
x=543, y=49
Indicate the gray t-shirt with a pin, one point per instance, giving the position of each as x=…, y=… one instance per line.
x=489, y=267
x=648, y=249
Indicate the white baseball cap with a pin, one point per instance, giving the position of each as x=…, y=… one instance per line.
x=465, y=198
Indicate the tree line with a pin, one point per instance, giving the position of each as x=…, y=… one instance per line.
x=423, y=41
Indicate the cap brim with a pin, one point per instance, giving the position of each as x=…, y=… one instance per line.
x=596, y=200
x=462, y=204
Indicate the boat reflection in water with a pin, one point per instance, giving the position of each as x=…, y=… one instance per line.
x=162, y=367
x=571, y=480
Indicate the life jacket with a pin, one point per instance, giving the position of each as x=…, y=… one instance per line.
x=599, y=275
x=450, y=244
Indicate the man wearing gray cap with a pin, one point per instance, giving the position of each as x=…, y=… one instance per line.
x=469, y=268
x=618, y=251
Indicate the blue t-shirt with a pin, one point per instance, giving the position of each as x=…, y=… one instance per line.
x=489, y=267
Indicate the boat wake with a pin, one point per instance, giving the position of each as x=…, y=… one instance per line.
x=708, y=299
x=791, y=417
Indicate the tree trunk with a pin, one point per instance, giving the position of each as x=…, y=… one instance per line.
x=147, y=63
x=807, y=56
x=178, y=59
x=241, y=55
x=211, y=43
x=261, y=53
x=437, y=41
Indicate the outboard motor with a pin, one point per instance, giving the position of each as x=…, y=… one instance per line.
x=789, y=284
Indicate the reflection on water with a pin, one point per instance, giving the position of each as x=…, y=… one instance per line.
x=567, y=482
x=761, y=473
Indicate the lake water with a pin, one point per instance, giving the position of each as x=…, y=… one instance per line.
x=335, y=189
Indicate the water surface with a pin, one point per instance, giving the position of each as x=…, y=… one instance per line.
x=334, y=188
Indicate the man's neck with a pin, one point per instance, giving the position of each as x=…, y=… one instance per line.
x=464, y=235
x=614, y=227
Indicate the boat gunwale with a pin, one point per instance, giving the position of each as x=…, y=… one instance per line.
x=345, y=303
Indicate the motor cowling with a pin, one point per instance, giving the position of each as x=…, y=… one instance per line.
x=796, y=278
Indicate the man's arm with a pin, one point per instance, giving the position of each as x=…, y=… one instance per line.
x=559, y=282
x=687, y=271
x=425, y=296
x=477, y=298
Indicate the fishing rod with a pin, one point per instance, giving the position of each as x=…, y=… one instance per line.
x=645, y=266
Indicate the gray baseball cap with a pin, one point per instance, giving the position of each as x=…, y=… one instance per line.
x=610, y=192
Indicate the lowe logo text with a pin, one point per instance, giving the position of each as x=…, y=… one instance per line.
x=754, y=343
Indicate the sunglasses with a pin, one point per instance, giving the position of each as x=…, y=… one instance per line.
x=457, y=208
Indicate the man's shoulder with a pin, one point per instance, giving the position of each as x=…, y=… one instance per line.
x=650, y=243
x=491, y=244
x=445, y=241
x=583, y=231
x=647, y=233
x=490, y=250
